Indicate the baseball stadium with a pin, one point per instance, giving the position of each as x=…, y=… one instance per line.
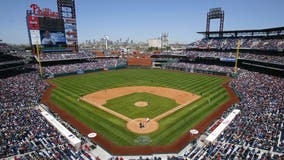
x=220, y=97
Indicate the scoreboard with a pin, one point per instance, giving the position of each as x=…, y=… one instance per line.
x=51, y=24
x=53, y=31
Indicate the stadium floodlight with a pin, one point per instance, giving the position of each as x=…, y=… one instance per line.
x=215, y=13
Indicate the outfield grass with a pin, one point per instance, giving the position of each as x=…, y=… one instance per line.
x=156, y=105
x=171, y=127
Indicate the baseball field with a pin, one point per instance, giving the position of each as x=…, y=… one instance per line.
x=107, y=102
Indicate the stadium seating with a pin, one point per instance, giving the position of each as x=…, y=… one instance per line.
x=65, y=56
x=205, y=67
x=261, y=103
x=4, y=47
x=7, y=57
x=255, y=132
x=276, y=59
x=246, y=43
x=25, y=134
x=93, y=65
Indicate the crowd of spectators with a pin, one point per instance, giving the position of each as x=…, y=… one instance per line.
x=65, y=56
x=219, y=54
x=219, y=150
x=93, y=65
x=22, y=54
x=22, y=128
x=24, y=132
x=63, y=151
x=258, y=131
x=193, y=67
x=7, y=57
x=246, y=43
x=263, y=58
x=4, y=47
x=262, y=101
x=168, y=157
x=22, y=90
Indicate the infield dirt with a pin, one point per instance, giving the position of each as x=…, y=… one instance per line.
x=98, y=99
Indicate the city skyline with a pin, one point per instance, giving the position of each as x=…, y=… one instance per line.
x=141, y=20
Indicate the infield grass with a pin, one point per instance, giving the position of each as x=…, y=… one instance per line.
x=170, y=128
x=156, y=105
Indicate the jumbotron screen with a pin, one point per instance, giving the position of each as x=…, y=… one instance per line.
x=51, y=24
x=52, y=33
x=51, y=38
x=67, y=2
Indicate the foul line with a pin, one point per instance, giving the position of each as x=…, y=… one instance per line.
x=169, y=112
x=109, y=110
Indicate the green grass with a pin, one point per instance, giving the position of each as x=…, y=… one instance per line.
x=156, y=105
x=113, y=128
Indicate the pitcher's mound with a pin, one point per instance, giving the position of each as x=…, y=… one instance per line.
x=140, y=126
x=141, y=104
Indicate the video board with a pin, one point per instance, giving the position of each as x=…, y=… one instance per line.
x=67, y=2
x=51, y=24
x=52, y=32
x=52, y=38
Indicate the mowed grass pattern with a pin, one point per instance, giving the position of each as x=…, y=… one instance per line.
x=156, y=105
x=172, y=127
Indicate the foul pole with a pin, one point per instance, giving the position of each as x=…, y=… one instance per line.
x=38, y=58
x=237, y=56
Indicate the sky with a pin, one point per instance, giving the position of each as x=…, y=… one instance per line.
x=140, y=20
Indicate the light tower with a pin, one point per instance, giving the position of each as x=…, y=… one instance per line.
x=164, y=40
x=215, y=13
